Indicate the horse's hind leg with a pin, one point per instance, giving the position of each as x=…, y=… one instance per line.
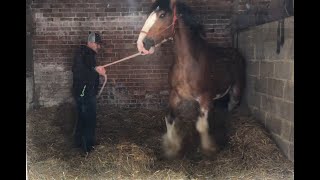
x=171, y=139
x=208, y=143
x=234, y=96
x=239, y=84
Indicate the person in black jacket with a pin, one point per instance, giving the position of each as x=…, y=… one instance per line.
x=85, y=88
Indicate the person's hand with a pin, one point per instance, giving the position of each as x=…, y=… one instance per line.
x=151, y=51
x=101, y=70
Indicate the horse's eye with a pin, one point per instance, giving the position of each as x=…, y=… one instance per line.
x=162, y=15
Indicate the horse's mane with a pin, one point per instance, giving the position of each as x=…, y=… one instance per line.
x=185, y=12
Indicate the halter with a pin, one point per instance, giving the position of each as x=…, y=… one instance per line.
x=174, y=21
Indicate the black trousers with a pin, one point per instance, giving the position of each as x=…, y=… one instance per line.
x=86, y=124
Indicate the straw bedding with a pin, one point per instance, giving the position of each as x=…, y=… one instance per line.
x=129, y=147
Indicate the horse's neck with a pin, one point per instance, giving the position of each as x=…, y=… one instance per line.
x=187, y=47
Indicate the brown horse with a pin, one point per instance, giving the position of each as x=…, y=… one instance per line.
x=200, y=73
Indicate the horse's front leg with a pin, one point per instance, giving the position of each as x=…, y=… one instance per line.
x=208, y=143
x=172, y=139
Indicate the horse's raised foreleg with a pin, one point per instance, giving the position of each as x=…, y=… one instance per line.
x=208, y=143
x=171, y=139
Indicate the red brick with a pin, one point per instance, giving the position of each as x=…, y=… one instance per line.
x=64, y=26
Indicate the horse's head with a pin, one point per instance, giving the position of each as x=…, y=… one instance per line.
x=158, y=26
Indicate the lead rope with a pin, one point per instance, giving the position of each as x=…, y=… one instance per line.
x=124, y=59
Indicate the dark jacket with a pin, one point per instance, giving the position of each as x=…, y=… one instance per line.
x=85, y=77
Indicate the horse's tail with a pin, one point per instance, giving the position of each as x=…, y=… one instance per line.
x=241, y=71
x=240, y=75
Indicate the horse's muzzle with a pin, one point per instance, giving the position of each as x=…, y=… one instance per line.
x=148, y=43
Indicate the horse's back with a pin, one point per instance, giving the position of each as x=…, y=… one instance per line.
x=227, y=67
x=225, y=55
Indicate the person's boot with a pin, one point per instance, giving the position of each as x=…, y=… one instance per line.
x=84, y=145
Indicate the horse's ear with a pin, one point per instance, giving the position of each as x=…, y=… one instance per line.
x=172, y=3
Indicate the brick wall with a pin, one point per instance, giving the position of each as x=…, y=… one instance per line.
x=29, y=29
x=248, y=13
x=61, y=25
x=270, y=80
x=29, y=58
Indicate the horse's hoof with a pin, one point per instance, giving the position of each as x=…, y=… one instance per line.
x=210, y=152
x=171, y=149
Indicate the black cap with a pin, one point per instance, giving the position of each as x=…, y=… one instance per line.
x=94, y=37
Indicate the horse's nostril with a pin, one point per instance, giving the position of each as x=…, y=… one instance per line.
x=148, y=43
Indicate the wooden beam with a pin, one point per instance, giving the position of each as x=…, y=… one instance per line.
x=258, y=14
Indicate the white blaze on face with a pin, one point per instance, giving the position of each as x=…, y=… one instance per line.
x=147, y=25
